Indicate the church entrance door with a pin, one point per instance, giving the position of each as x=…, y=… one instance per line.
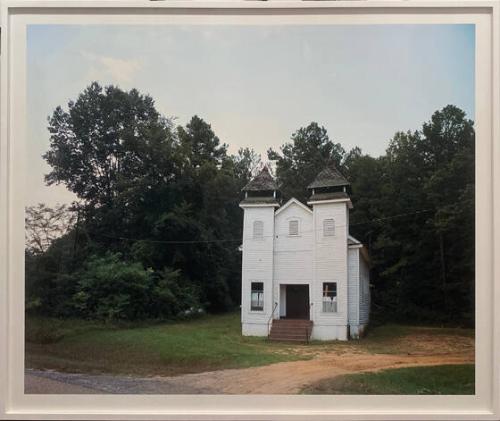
x=297, y=302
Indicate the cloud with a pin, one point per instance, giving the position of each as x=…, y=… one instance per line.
x=120, y=71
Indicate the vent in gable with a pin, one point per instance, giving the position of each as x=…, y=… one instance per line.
x=258, y=229
x=328, y=227
x=293, y=227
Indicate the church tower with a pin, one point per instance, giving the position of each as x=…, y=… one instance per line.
x=330, y=203
x=257, y=263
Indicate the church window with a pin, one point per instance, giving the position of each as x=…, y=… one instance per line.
x=257, y=296
x=329, y=297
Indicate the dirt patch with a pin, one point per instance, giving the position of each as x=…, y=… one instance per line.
x=280, y=378
x=428, y=344
x=291, y=377
x=325, y=361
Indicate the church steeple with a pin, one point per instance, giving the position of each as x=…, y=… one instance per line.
x=261, y=189
x=329, y=184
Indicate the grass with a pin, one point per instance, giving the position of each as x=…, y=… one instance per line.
x=210, y=343
x=430, y=380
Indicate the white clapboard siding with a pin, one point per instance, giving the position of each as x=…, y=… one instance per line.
x=297, y=244
x=364, y=294
x=353, y=288
x=257, y=264
x=293, y=250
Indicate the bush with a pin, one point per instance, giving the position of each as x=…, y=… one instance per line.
x=112, y=289
x=173, y=296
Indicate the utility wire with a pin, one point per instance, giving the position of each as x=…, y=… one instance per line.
x=264, y=236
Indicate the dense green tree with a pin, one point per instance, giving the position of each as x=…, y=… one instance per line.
x=107, y=142
x=162, y=197
x=297, y=165
x=156, y=228
x=200, y=144
x=413, y=208
x=423, y=257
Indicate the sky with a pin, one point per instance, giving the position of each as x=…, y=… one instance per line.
x=255, y=85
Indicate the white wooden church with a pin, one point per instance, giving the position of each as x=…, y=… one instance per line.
x=303, y=276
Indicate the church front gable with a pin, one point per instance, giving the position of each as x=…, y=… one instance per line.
x=293, y=247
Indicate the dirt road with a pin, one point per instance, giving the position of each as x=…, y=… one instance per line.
x=280, y=378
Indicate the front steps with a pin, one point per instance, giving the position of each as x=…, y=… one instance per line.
x=291, y=330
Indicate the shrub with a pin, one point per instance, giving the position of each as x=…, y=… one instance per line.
x=112, y=289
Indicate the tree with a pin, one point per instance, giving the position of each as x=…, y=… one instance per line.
x=247, y=163
x=159, y=223
x=413, y=209
x=310, y=149
x=200, y=144
x=162, y=197
x=424, y=259
x=45, y=224
x=107, y=142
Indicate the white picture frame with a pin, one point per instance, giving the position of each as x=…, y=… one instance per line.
x=14, y=404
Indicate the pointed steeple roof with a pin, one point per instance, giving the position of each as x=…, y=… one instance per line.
x=329, y=177
x=263, y=181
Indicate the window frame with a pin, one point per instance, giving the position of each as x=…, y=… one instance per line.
x=336, y=296
x=262, y=300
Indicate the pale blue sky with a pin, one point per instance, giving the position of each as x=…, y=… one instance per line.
x=256, y=85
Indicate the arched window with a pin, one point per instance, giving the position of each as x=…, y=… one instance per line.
x=328, y=227
x=258, y=229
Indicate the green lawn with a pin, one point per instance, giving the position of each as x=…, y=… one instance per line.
x=209, y=343
x=432, y=380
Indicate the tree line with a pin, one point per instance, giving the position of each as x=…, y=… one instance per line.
x=155, y=231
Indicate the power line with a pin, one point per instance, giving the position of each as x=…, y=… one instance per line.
x=228, y=240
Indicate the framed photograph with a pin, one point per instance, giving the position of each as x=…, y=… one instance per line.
x=249, y=210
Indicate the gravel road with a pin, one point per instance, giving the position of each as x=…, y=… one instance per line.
x=48, y=382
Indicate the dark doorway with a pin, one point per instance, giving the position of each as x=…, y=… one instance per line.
x=297, y=302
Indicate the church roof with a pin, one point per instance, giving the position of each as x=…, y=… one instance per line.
x=263, y=181
x=254, y=200
x=329, y=177
x=328, y=196
x=352, y=241
x=291, y=202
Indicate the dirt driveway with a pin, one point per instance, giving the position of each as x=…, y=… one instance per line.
x=280, y=378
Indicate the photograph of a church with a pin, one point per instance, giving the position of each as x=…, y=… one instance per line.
x=248, y=209
x=303, y=275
